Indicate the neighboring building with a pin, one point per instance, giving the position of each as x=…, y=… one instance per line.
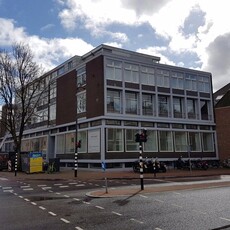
x=115, y=94
x=222, y=114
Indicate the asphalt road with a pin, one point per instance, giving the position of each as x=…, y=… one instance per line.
x=63, y=204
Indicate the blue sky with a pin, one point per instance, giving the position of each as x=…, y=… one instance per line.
x=192, y=33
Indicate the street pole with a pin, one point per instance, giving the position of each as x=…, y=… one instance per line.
x=76, y=152
x=16, y=164
x=141, y=166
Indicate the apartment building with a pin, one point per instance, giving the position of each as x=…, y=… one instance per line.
x=107, y=96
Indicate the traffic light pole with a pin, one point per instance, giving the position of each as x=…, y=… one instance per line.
x=141, y=166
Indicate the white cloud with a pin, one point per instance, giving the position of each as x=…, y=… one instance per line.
x=48, y=52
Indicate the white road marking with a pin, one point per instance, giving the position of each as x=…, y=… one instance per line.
x=50, y=191
x=85, y=202
x=57, y=184
x=28, y=189
x=143, y=196
x=64, y=220
x=78, y=228
x=177, y=193
x=3, y=178
x=41, y=185
x=73, y=183
x=53, y=214
x=25, y=186
x=80, y=185
x=26, y=199
x=137, y=221
x=66, y=196
x=6, y=188
x=15, y=194
x=158, y=229
x=21, y=197
x=222, y=218
x=64, y=186
x=116, y=213
x=33, y=203
x=46, y=188
x=58, y=193
x=76, y=199
x=42, y=208
x=99, y=207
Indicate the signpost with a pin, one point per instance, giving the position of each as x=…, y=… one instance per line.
x=103, y=166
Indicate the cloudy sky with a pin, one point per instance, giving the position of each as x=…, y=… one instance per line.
x=188, y=33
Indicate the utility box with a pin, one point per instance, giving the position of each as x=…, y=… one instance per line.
x=32, y=162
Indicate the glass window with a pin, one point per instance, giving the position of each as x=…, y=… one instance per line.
x=82, y=135
x=204, y=109
x=114, y=101
x=147, y=76
x=81, y=77
x=180, y=140
x=131, y=73
x=147, y=104
x=70, y=142
x=52, y=113
x=207, y=140
x=113, y=70
x=162, y=78
x=131, y=103
x=115, y=140
x=177, y=80
x=131, y=145
x=178, y=107
x=163, y=106
x=191, y=83
x=191, y=108
x=165, y=141
x=204, y=84
x=81, y=102
x=151, y=145
x=194, y=141
x=60, y=143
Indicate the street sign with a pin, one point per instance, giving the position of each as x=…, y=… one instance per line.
x=103, y=165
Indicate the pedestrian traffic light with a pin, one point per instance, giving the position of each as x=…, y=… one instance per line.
x=79, y=144
x=143, y=136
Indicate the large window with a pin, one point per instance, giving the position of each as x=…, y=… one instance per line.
x=131, y=145
x=113, y=70
x=115, y=140
x=131, y=73
x=165, y=141
x=147, y=76
x=114, y=101
x=131, y=103
x=178, y=107
x=194, y=141
x=60, y=144
x=204, y=109
x=81, y=102
x=191, y=83
x=147, y=104
x=151, y=145
x=207, y=140
x=177, y=80
x=82, y=136
x=204, y=84
x=191, y=108
x=52, y=112
x=70, y=142
x=162, y=78
x=180, y=140
x=81, y=77
x=163, y=106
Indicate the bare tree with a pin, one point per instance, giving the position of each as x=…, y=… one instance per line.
x=21, y=87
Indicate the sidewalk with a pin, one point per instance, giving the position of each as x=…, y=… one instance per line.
x=170, y=175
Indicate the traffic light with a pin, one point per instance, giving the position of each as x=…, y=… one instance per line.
x=79, y=144
x=143, y=136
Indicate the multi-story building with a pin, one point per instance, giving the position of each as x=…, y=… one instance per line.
x=110, y=94
x=222, y=115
